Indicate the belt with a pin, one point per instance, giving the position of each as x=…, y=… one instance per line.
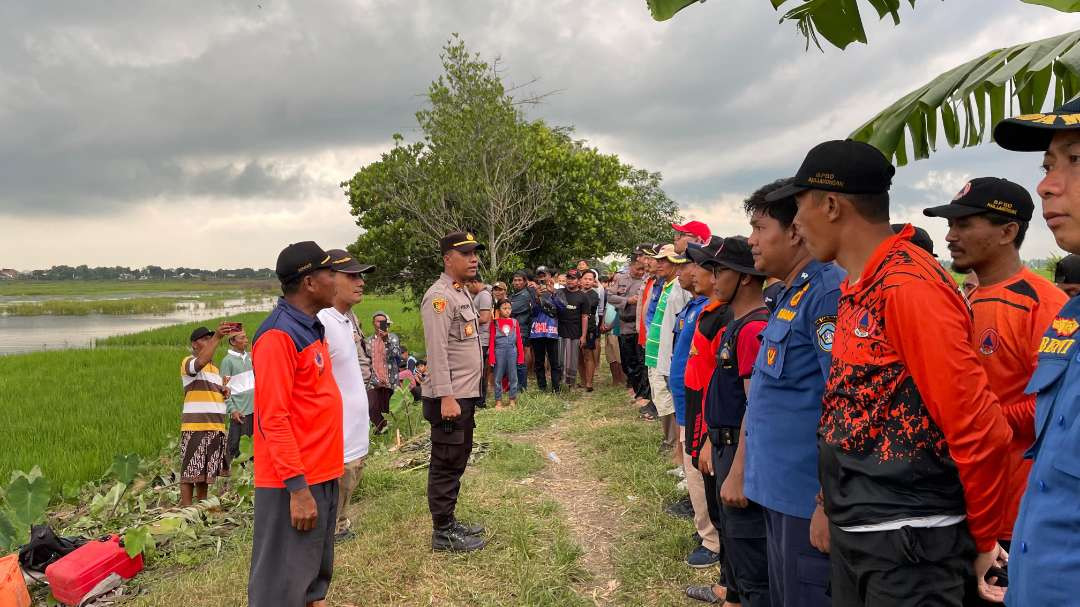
x=729, y=435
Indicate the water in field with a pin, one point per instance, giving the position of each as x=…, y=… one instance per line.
x=37, y=333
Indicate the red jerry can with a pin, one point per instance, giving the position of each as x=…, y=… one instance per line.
x=75, y=574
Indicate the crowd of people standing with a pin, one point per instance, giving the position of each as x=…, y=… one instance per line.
x=852, y=426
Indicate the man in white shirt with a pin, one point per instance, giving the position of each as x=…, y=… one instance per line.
x=341, y=331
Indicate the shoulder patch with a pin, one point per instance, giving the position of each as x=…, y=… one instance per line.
x=826, y=331
x=439, y=304
x=795, y=299
x=1065, y=327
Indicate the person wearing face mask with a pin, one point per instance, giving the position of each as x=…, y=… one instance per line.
x=385, y=350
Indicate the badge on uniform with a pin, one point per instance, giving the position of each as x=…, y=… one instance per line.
x=1065, y=327
x=770, y=356
x=988, y=342
x=795, y=299
x=469, y=330
x=865, y=324
x=439, y=304
x=826, y=331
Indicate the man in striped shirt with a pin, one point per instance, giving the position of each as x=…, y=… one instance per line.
x=202, y=426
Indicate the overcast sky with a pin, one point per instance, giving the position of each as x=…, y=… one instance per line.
x=210, y=134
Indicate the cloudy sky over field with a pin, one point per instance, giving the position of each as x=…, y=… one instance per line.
x=211, y=133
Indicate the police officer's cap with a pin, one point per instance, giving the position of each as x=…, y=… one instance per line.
x=459, y=241
x=300, y=259
x=846, y=166
x=342, y=261
x=1033, y=132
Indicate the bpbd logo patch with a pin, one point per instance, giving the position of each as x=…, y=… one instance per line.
x=864, y=324
x=989, y=342
x=1065, y=327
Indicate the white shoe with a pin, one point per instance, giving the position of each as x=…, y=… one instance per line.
x=677, y=472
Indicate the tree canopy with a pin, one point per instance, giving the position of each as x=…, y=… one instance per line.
x=528, y=190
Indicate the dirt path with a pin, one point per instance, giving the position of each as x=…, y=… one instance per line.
x=592, y=515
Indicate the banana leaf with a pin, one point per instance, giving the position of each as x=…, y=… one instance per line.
x=960, y=99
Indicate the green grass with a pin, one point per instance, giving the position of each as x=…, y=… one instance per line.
x=136, y=305
x=71, y=411
x=532, y=558
x=118, y=287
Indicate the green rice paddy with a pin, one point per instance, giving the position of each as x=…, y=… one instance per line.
x=71, y=411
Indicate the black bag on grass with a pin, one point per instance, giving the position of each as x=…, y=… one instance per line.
x=45, y=547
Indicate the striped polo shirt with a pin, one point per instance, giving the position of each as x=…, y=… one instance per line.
x=204, y=398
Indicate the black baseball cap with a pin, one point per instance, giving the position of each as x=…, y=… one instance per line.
x=1033, y=132
x=734, y=254
x=299, y=259
x=200, y=333
x=543, y=270
x=645, y=248
x=342, y=261
x=1067, y=270
x=846, y=166
x=987, y=195
x=921, y=238
x=459, y=241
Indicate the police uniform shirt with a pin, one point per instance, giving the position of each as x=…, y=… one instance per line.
x=1044, y=562
x=452, y=337
x=784, y=404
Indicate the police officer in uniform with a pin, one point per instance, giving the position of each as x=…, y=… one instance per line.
x=451, y=390
x=1044, y=562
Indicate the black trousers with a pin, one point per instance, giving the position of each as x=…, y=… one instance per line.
x=634, y=365
x=546, y=348
x=291, y=568
x=907, y=566
x=379, y=406
x=484, y=373
x=743, y=535
x=246, y=427
x=451, y=444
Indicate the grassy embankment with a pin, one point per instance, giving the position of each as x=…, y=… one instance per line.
x=71, y=411
x=542, y=552
x=81, y=298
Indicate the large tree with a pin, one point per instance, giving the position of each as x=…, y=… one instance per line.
x=529, y=191
x=966, y=101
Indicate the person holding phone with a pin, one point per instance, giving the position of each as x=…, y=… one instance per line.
x=384, y=348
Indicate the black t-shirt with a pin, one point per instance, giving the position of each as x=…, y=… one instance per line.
x=594, y=302
x=576, y=304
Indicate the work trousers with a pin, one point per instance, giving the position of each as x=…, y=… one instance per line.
x=451, y=445
x=634, y=365
x=245, y=427
x=798, y=572
x=906, y=566
x=570, y=353
x=354, y=470
x=485, y=375
x=695, y=486
x=291, y=568
x=742, y=531
x=546, y=348
x=379, y=406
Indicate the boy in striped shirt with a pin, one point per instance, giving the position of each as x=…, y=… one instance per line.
x=202, y=426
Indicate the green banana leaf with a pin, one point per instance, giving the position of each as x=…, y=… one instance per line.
x=837, y=21
x=969, y=100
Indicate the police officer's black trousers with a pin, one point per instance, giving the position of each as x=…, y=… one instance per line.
x=634, y=365
x=742, y=531
x=451, y=444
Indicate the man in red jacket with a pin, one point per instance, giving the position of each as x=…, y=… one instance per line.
x=912, y=442
x=298, y=441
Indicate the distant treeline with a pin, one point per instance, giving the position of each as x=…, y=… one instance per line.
x=84, y=272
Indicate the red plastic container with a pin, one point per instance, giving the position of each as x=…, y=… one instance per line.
x=72, y=576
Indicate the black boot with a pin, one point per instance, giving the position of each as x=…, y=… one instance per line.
x=450, y=539
x=466, y=528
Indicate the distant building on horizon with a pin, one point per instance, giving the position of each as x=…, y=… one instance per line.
x=8, y=274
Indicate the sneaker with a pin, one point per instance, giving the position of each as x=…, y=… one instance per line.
x=451, y=539
x=343, y=536
x=681, y=509
x=677, y=472
x=702, y=558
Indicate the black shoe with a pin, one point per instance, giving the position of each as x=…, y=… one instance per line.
x=466, y=528
x=451, y=540
x=344, y=536
x=681, y=509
